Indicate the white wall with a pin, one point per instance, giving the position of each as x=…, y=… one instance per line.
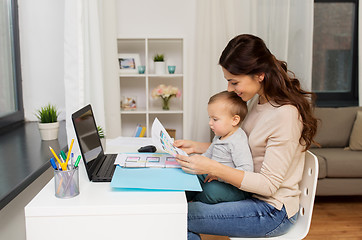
x=156, y=18
x=41, y=49
x=163, y=18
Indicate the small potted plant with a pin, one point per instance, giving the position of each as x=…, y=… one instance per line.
x=48, y=122
x=102, y=137
x=160, y=65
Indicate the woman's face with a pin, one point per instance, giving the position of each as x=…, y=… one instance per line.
x=245, y=86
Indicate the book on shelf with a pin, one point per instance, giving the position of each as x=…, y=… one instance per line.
x=143, y=131
x=139, y=131
x=136, y=130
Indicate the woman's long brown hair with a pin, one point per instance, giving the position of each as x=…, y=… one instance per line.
x=248, y=55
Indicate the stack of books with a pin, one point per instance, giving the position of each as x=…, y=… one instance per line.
x=140, y=131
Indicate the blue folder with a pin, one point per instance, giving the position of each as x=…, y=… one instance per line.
x=154, y=179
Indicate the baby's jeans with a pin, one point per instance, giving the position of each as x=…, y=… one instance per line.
x=216, y=192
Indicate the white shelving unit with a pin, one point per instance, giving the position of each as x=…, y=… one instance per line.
x=140, y=86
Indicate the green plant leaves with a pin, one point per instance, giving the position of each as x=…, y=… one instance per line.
x=158, y=58
x=47, y=114
x=100, y=132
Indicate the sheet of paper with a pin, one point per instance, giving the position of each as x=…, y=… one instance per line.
x=154, y=178
x=162, y=140
x=160, y=160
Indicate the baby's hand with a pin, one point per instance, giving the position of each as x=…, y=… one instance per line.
x=210, y=178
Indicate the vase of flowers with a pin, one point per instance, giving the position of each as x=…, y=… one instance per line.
x=166, y=93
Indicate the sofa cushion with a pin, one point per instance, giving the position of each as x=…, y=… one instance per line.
x=322, y=165
x=335, y=126
x=355, y=141
x=341, y=163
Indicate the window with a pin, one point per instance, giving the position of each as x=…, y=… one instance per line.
x=11, y=104
x=335, y=53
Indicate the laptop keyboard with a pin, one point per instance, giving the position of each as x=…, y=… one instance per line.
x=111, y=167
x=105, y=170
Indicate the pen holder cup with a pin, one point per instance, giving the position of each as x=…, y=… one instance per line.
x=66, y=183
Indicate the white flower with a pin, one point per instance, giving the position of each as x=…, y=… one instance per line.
x=164, y=91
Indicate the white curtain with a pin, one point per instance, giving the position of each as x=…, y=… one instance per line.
x=90, y=61
x=286, y=26
x=215, y=26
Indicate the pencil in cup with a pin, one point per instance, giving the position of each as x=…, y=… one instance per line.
x=66, y=183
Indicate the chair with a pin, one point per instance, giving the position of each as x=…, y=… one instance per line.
x=308, y=187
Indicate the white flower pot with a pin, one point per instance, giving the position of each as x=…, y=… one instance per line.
x=49, y=131
x=103, y=142
x=160, y=67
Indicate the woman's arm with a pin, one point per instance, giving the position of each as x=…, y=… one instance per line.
x=283, y=158
x=191, y=146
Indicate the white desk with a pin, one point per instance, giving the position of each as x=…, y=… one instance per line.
x=99, y=212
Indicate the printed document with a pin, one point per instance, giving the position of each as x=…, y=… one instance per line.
x=163, y=142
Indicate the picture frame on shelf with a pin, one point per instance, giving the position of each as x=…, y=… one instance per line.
x=129, y=103
x=129, y=62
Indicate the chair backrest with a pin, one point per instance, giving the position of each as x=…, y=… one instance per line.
x=308, y=187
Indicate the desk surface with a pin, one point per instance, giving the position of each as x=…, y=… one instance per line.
x=100, y=212
x=100, y=199
x=24, y=157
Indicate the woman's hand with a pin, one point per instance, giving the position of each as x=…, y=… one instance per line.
x=210, y=178
x=191, y=146
x=186, y=145
x=197, y=164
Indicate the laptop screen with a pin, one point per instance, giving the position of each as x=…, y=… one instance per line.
x=87, y=134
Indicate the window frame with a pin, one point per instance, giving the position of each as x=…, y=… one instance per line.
x=343, y=99
x=16, y=117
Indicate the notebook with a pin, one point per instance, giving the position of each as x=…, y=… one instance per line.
x=100, y=167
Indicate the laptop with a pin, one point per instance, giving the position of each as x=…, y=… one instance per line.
x=100, y=167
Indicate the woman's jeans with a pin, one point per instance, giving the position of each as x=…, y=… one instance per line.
x=247, y=218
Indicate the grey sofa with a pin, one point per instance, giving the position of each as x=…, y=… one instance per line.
x=340, y=168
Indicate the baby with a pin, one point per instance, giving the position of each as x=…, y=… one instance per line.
x=230, y=147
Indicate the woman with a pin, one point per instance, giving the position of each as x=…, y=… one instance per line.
x=280, y=127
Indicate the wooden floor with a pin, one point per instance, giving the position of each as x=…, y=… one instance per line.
x=334, y=218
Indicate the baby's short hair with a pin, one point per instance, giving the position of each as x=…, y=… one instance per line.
x=237, y=105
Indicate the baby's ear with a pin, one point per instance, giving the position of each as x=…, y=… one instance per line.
x=236, y=120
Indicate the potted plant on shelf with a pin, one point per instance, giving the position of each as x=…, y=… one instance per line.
x=160, y=65
x=48, y=122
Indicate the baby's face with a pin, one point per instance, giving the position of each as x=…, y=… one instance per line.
x=221, y=121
